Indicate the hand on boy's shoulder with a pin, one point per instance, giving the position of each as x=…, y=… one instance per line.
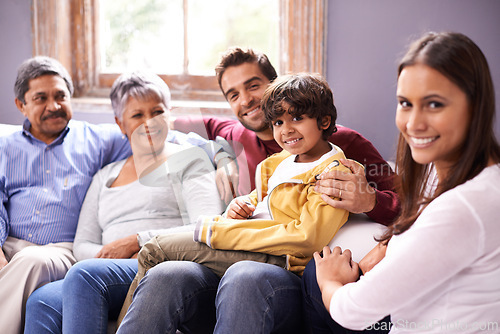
x=352, y=190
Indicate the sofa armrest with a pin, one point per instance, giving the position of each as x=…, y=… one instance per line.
x=358, y=235
x=7, y=129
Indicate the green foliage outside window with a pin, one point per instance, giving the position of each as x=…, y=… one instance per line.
x=149, y=34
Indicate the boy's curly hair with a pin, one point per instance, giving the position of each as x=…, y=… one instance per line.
x=305, y=94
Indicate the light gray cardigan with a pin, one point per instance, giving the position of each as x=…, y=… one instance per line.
x=167, y=200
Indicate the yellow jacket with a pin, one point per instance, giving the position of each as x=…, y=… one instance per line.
x=301, y=224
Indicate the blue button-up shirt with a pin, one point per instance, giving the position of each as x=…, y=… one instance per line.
x=42, y=186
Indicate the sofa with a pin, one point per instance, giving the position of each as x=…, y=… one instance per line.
x=7, y=129
x=357, y=234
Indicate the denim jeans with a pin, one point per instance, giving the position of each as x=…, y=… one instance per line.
x=258, y=297
x=91, y=293
x=181, y=247
x=317, y=319
x=251, y=297
x=173, y=295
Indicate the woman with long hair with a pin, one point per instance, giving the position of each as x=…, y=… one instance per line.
x=441, y=267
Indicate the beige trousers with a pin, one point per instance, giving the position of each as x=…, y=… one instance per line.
x=30, y=266
x=181, y=247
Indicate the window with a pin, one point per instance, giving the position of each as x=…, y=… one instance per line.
x=69, y=30
x=183, y=37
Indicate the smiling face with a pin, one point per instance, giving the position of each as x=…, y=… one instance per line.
x=243, y=86
x=47, y=107
x=301, y=136
x=144, y=122
x=433, y=116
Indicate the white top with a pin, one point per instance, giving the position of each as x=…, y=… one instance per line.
x=286, y=170
x=167, y=200
x=441, y=275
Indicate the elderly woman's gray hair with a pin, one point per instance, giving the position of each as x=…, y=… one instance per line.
x=139, y=85
x=36, y=67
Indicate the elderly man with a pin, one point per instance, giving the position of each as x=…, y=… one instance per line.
x=45, y=171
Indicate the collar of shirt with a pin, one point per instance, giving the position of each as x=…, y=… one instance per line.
x=57, y=141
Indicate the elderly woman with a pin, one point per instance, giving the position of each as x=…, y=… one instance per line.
x=163, y=187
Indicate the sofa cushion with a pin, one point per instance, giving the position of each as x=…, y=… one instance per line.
x=7, y=129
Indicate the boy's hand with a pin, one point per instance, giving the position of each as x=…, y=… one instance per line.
x=334, y=270
x=240, y=209
x=353, y=190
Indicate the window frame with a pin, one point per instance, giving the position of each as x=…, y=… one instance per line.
x=68, y=31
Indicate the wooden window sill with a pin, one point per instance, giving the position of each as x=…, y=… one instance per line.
x=90, y=106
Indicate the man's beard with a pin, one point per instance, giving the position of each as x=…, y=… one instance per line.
x=263, y=127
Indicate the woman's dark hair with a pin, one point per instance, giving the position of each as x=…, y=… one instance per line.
x=459, y=59
x=304, y=94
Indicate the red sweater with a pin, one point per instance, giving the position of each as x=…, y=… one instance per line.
x=251, y=150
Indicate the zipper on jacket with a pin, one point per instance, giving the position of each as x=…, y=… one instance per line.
x=293, y=181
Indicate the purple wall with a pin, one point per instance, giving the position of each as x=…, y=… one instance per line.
x=15, y=44
x=366, y=39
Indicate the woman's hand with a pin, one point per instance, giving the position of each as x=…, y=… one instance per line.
x=123, y=248
x=240, y=209
x=353, y=190
x=372, y=258
x=334, y=270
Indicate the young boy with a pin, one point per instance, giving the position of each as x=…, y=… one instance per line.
x=283, y=221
